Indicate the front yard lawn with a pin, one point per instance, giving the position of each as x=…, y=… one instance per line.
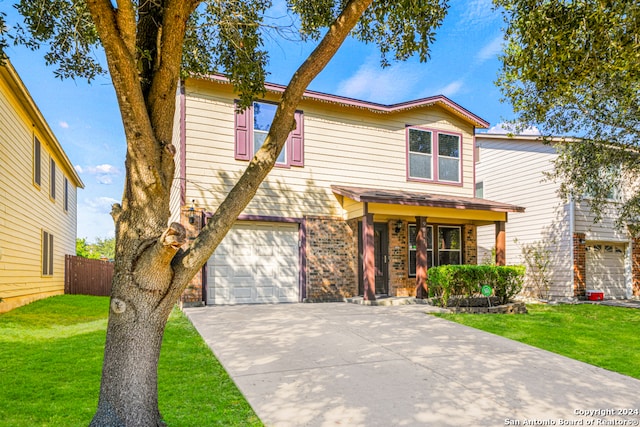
x=603, y=336
x=51, y=358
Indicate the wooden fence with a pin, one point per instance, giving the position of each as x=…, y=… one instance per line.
x=87, y=276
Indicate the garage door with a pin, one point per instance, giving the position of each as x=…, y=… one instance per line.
x=605, y=269
x=255, y=263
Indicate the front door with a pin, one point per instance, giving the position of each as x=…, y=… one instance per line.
x=381, y=248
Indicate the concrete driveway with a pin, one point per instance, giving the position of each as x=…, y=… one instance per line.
x=342, y=364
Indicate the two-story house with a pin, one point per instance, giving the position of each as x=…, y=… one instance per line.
x=363, y=199
x=580, y=255
x=38, y=187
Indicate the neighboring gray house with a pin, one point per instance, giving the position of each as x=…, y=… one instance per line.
x=583, y=255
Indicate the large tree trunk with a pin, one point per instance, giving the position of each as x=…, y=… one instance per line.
x=129, y=392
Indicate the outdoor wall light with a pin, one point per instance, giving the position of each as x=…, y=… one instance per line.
x=192, y=212
x=398, y=226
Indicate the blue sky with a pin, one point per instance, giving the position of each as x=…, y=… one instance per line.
x=85, y=118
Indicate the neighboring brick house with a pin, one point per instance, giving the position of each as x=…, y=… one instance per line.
x=37, y=199
x=354, y=205
x=583, y=255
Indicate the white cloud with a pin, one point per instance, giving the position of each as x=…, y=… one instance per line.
x=382, y=85
x=104, y=179
x=64, y=125
x=490, y=50
x=100, y=204
x=104, y=168
x=478, y=13
x=104, y=173
x=508, y=128
x=451, y=89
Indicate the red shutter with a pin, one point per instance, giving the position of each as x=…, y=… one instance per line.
x=242, y=141
x=295, y=143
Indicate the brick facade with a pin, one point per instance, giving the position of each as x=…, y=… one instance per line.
x=193, y=295
x=579, y=265
x=470, y=244
x=635, y=266
x=332, y=255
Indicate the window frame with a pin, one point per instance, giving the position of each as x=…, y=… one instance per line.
x=435, y=156
x=65, y=203
x=245, y=137
x=479, y=190
x=37, y=162
x=414, y=250
x=52, y=179
x=47, y=254
x=459, y=250
x=431, y=251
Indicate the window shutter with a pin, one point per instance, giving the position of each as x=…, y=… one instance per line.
x=295, y=143
x=242, y=141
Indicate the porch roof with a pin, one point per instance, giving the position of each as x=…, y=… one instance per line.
x=410, y=198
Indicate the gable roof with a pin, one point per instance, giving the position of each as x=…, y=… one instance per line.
x=438, y=100
x=10, y=75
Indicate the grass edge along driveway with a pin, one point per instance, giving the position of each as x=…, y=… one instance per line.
x=604, y=336
x=51, y=355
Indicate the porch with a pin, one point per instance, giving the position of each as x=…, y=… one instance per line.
x=414, y=221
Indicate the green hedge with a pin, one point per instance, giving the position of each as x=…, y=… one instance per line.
x=466, y=281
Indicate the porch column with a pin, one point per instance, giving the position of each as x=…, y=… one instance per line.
x=421, y=257
x=368, y=256
x=501, y=243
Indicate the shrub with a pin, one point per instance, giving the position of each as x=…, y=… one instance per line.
x=466, y=281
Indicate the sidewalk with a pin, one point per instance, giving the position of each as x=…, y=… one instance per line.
x=351, y=365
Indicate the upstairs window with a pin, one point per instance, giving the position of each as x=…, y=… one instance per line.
x=37, y=162
x=434, y=156
x=66, y=194
x=252, y=127
x=52, y=179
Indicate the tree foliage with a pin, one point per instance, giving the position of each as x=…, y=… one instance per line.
x=102, y=248
x=573, y=68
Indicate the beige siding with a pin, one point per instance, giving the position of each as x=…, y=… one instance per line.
x=513, y=172
x=26, y=210
x=342, y=146
x=602, y=231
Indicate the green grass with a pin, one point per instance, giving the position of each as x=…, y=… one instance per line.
x=51, y=359
x=608, y=337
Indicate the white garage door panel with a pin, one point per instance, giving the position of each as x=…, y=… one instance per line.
x=605, y=269
x=255, y=263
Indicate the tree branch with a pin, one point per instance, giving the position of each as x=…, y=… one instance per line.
x=126, y=21
x=161, y=98
x=142, y=158
x=153, y=268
